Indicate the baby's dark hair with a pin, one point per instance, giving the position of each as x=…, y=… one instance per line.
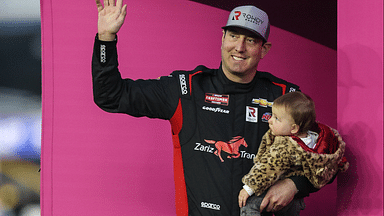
x=301, y=107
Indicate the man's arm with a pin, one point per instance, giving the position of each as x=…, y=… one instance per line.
x=110, y=19
x=154, y=98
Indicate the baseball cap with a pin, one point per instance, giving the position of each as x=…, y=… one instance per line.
x=251, y=18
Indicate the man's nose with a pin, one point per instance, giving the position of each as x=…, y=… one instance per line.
x=240, y=45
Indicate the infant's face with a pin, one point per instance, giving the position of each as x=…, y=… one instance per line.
x=281, y=123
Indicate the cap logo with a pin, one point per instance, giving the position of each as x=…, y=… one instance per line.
x=238, y=13
x=250, y=18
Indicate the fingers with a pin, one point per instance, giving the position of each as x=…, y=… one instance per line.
x=119, y=3
x=242, y=202
x=109, y=2
x=99, y=5
x=243, y=196
x=276, y=208
x=123, y=12
x=271, y=207
x=264, y=203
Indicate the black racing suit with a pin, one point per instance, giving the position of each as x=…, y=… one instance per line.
x=217, y=125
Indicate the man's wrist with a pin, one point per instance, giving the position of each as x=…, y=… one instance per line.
x=293, y=185
x=106, y=37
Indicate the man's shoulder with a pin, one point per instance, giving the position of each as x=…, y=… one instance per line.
x=201, y=69
x=277, y=81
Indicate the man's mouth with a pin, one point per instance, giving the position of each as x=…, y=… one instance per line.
x=238, y=58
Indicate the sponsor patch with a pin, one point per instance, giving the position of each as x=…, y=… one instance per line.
x=103, y=54
x=183, y=84
x=251, y=114
x=262, y=102
x=217, y=99
x=292, y=89
x=231, y=147
x=215, y=109
x=266, y=116
x=210, y=206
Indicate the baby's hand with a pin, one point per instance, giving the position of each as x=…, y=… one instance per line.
x=243, y=196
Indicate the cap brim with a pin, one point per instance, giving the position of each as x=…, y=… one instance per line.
x=249, y=29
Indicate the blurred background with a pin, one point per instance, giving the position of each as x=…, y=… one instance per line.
x=20, y=107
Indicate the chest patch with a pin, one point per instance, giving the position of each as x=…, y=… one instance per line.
x=251, y=114
x=217, y=99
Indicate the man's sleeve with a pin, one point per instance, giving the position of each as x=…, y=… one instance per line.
x=154, y=98
x=303, y=186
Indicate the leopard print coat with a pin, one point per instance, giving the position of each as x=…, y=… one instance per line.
x=280, y=157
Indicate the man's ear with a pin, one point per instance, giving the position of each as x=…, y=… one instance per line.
x=295, y=128
x=265, y=49
x=224, y=33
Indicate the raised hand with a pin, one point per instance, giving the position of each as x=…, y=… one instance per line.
x=111, y=18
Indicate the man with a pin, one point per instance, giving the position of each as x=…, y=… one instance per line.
x=218, y=116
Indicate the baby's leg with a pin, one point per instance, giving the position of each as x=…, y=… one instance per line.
x=252, y=208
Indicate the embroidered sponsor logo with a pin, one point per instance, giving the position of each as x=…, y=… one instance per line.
x=217, y=99
x=237, y=15
x=244, y=154
x=266, y=116
x=216, y=110
x=248, y=18
x=231, y=147
x=292, y=89
x=103, y=54
x=204, y=148
x=210, y=206
x=262, y=102
x=251, y=114
x=253, y=19
x=183, y=84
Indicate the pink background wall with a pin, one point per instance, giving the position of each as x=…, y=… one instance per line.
x=96, y=163
x=360, y=106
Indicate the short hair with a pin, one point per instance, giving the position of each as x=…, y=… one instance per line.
x=301, y=107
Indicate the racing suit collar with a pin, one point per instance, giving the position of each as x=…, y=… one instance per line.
x=234, y=87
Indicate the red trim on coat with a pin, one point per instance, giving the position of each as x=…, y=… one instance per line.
x=190, y=81
x=284, y=87
x=181, y=199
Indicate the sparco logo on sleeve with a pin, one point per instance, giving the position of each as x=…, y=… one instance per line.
x=183, y=84
x=103, y=55
x=210, y=206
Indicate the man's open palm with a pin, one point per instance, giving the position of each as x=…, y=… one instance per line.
x=111, y=18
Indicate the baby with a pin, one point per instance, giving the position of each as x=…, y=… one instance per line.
x=295, y=145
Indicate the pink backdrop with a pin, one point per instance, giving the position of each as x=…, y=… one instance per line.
x=96, y=163
x=360, y=106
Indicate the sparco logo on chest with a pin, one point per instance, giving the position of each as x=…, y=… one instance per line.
x=183, y=84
